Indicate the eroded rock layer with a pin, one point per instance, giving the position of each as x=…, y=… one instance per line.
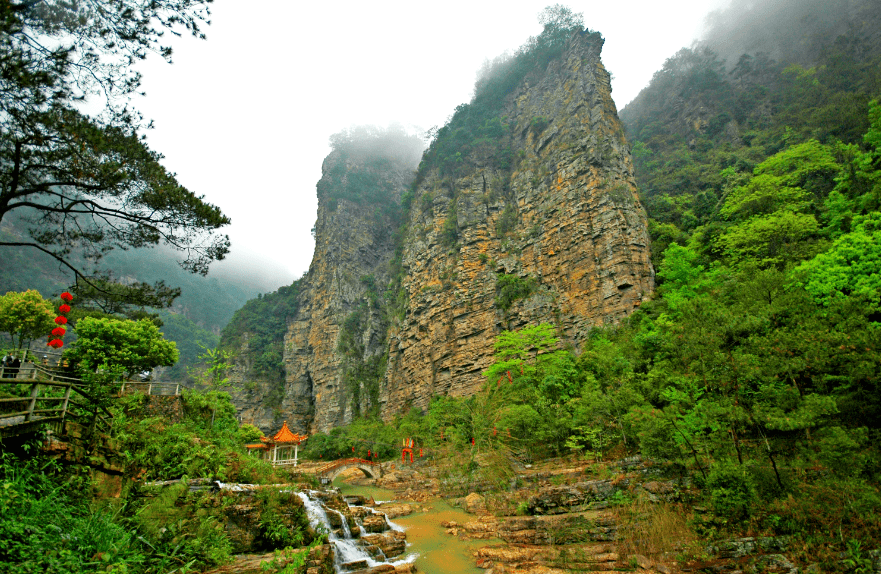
x=578, y=233
x=339, y=298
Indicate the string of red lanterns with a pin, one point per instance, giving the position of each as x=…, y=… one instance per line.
x=59, y=331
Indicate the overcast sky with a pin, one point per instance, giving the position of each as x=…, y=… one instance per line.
x=244, y=117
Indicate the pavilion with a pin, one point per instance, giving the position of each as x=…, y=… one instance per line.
x=279, y=448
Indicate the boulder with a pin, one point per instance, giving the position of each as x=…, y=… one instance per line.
x=475, y=503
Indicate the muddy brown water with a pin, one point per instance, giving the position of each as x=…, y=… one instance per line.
x=438, y=552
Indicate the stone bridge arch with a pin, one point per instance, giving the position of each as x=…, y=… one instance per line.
x=331, y=471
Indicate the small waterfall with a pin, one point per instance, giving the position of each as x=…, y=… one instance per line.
x=346, y=532
x=391, y=525
x=346, y=549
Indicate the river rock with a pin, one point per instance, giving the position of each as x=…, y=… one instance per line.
x=374, y=523
x=394, y=510
x=595, y=558
x=353, y=566
x=253, y=563
x=391, y=543
x=576, y=497
x=320, y=560
x=475, y=504
x=376, y=569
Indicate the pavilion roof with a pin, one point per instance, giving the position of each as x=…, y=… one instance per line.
x=285, y=435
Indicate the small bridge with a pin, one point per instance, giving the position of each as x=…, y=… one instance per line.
x=331, y=470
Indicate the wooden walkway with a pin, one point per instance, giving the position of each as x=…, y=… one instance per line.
x=50, y=398
x=53, y=397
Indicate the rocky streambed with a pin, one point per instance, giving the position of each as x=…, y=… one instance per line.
x=555, y=518
x=570, y=516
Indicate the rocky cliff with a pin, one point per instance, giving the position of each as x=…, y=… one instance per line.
x=564, y=221
x=531, y=217
x=335, y=345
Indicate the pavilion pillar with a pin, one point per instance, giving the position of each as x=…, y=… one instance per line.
x=296, y=450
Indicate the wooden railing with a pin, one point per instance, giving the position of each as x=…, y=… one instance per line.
x=55, y=399
x=150, y=388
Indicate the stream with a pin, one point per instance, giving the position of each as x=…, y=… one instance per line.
x=434, y=551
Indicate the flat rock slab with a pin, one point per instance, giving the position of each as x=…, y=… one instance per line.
x=253, y=563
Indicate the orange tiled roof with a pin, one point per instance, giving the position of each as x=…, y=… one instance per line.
x=257, y=445
x=285, y=435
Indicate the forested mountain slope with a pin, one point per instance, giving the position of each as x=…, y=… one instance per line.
x=795, y=72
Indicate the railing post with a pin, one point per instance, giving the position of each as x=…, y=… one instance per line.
x=94, y=424
x=149, y=389
x=34, y=392
x=64, y=407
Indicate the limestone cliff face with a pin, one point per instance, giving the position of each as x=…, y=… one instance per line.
x=567, y=218
x=354, y=244
x=387, y=321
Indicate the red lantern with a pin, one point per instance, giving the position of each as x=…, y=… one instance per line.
x=60, y=320
x=56, y=343
x=66, y=297
x=58, y=331
x=64, y=309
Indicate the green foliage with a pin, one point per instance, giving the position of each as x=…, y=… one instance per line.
x=192, y=342
x=364, y=169
x=772, y=142
x=175, y=519
x=777, y=239
x=255, y=335
x=683, y=276
x=362, y=371
x=206, y=442
x=507, y=221
x=283, y=519
x=25, y=316
x=120, y=346
x=731, y=492
x=851, y=266
x=102, y=296
x=450, y=229
x=92, y=179
x=511, y=288
x=49, y=521
x=46, y=525
x=791, y=180
x=478, y=134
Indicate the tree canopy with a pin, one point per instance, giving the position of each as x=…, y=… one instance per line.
x=86, y=184
x=25, y=316
x=120, y=346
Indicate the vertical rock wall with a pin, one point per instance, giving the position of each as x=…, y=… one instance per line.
x=580, y=234
x=354, y=244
